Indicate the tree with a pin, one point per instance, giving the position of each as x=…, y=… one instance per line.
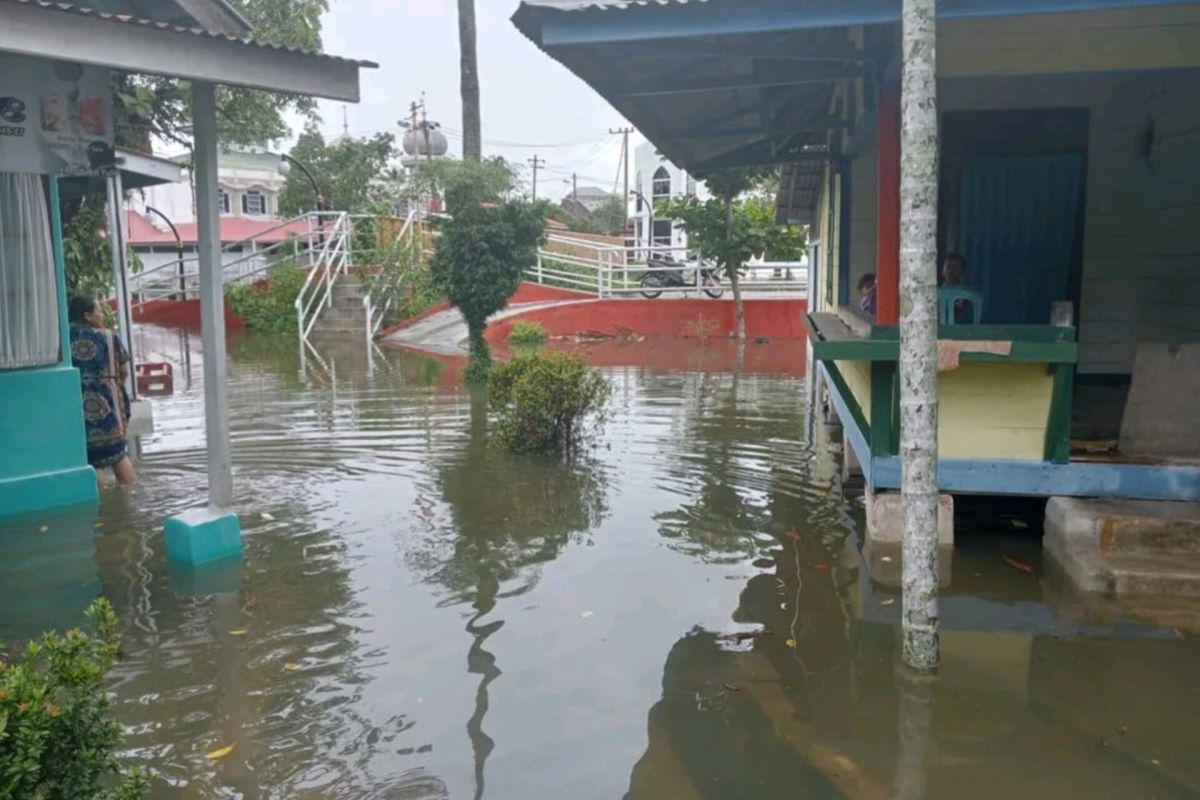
x=469, y=82
x=918, y=333
x=733, y=230
x=485, y=247
x=349, y=173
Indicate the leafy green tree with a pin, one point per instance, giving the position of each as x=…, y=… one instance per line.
x=349, y=172
x=485, y=247
x=58, y=740
x=733, y=229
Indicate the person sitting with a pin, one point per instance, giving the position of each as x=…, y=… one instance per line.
x=103, y=364
x=954, y=276
x=866, y=291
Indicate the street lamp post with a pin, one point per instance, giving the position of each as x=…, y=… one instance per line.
x=178, y=250
x=285, y=167
x=642, y=201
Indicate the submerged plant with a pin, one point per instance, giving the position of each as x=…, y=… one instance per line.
x=58, y=740
x=269, y=307
x=527, y=335
x=546, y=402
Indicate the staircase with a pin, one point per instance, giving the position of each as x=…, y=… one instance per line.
x=346, y=316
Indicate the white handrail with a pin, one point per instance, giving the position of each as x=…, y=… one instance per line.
x=374, y=315
x=332, y=261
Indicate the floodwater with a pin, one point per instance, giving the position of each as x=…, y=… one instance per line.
x=683, y=612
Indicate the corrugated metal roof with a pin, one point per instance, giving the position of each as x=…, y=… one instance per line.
x=583, y=5
x=128, y=19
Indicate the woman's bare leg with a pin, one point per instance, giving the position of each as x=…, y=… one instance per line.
x=101, y=479
x=124, y=472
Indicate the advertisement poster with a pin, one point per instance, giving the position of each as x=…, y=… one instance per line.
x=56, y=117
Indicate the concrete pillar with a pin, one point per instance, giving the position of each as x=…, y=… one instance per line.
x=884, y=542
x=213, y=533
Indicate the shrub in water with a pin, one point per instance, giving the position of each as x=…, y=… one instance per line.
x=269, y=307
x=527, y=334
x=57, y=738
x=544, y=403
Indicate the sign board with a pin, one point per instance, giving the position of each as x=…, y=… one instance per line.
x=56, y=117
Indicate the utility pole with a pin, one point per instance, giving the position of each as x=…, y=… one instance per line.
x=575, y=186
x=425, y=130
x=537, y=163
x=918, y=333
x=624, y=134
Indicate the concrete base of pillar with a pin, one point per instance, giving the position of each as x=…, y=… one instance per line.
x=851, y=468
x=202, y=536
x=141, y=418
x=885, y=518
x=1126, y=547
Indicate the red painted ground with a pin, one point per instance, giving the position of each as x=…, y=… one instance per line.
x=773, y=319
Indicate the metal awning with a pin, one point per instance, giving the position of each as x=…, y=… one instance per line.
x=138, y=171
x=78, y=33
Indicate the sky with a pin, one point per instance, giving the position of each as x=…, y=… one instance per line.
x=527, y=98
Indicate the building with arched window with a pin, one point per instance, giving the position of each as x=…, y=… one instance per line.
x=658, y=180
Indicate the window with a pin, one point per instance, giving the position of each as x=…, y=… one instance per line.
x=225, y=204
x=254, y=204
x=29, y=301
x=660, y=188
x=662, y=231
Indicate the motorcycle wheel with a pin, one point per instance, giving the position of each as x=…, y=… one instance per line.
x=713, y=287
x=652, y=285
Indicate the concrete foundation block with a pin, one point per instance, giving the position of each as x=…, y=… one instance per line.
x=851, y=467
x=885, y=563
x=885, y=518
x=1126, y=547
x=203, y=536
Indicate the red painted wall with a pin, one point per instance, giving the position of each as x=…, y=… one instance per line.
x=182, y=314
x=774, y=319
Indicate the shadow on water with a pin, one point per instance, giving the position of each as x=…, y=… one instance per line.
x=386, y=539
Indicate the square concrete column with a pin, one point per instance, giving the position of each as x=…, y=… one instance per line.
x=884, y=541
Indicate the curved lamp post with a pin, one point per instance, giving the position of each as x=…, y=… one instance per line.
x=178, y=250
x=285, y=167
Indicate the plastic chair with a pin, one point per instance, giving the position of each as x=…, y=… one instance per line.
x=948, y=296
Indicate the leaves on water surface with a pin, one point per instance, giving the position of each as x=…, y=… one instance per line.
x=794, y=535
x=221, y=753
x=238, y=632
x=1021, y=565
x=291, y=666
x=821, y=565
x=791, y=643
x=888, y=602
x=732, y=687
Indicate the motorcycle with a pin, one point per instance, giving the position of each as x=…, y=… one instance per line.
x=654, y=282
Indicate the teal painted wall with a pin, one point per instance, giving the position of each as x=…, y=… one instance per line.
x=43, y=463
x=43, y=460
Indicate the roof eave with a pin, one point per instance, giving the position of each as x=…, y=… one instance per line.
x=112, y=42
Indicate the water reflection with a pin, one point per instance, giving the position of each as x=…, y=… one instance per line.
x=603, y=608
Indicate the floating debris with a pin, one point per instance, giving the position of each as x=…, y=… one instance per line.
x=221, y=753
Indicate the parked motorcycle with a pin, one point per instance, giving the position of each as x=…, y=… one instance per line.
x=671, y=274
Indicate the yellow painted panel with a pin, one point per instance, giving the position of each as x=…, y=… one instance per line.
x=858, y=378
x=1097, y=41
x=990, y=410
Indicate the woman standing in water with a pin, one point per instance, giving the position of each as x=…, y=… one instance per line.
x=103, y=364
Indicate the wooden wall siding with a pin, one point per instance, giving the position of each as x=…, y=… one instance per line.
x=857, y=375
x=1141, y=252
x=994, y=411
x=863, y=217
x=1167, y=37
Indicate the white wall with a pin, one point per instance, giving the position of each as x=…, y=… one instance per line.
x=647, y=162
x=176, y=200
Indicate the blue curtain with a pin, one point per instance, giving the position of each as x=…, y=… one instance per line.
x=1017, y=227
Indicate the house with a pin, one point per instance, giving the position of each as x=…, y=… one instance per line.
x=57, y=126
x=658, y=180
x=250, y=182
x=1069, y=182
x=592, y=198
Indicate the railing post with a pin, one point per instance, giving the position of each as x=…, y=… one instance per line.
x=539, y=267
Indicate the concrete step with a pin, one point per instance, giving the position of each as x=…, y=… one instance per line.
x=1131, y=526
x=1170, y=575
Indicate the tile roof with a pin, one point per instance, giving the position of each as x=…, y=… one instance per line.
x=142, y=232
x=201, y=33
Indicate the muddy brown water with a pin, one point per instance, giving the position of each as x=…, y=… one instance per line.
x=421, y=616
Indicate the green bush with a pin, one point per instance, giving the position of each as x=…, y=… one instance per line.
x=527, y=334
x=58, y=740
x=545, y=402
x=269, y=307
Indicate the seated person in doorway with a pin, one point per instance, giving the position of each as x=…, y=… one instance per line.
x=954, y=275
x=103, y=364
x=866, y=291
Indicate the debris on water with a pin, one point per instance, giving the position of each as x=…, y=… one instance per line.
x=44, y=528
x=98, y=525
x=291, y=666
x=266, y=517
x=888, y=602
x=1155, y=761
x=794, y=535
x=238, y=632
x=791, y=644
x=732, y=687
x=1021, y=565
x=886, y=559
x=586, y=614
x=1019, y=523
x=821, y=565
x=761, y=340
x=220, y=753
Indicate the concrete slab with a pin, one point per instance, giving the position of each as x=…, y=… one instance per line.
x=1160, y=417
x=885, y=518
x=1126, y=547
x=202, y=536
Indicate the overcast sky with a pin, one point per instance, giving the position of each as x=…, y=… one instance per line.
x=527, y=97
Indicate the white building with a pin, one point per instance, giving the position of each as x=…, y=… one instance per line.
x=249, y=182
x=658, y=180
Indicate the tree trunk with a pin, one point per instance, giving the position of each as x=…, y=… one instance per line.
x=739, y=311
x=479, y=361
x=469, y=85
x=918, y=333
